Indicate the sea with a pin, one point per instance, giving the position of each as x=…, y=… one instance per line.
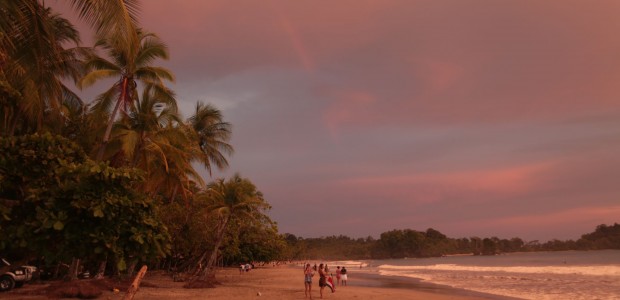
x=574, y=275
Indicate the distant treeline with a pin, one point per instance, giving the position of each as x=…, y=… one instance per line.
x=402, y=243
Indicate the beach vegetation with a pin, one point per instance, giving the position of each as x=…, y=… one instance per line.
x=34, y=64
x=63, y=205
x=130, y=64
x=111, y=182
x=409, y=243
x=228, y=200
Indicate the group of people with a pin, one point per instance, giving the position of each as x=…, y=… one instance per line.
x=245, y=268
x=325, y=278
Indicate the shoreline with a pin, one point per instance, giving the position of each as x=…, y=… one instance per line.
x=367, y=278
x=279, y=282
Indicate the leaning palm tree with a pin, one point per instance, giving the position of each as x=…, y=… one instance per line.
x=233, y=198
x=129, y=65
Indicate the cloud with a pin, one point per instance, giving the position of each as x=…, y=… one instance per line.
x=583, y=218
x=357, y=117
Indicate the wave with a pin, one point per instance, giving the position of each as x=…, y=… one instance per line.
x=570, y=270
x=348, y=263
x=523, y=286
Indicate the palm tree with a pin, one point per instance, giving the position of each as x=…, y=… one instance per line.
x=234, y=198
x=149, y=138
x=141, y=131
x=206, y=141
x=210, y=135
x=175, y=176
x=34, y=65
x=129, y=65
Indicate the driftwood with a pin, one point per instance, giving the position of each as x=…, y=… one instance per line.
x=133, y=289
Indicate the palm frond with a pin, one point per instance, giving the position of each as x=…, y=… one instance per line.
x=151, y=48
x=117, y=18
x=104, y=102
x=154, y=74
x=95, y=76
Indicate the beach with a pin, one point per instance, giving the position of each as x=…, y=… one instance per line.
x=280, y=282
x=286, y=282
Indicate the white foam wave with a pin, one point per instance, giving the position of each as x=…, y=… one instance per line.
x=527, y=286
x=348, y=263
x=610, y=270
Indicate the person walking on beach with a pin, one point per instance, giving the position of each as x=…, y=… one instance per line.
x=343, y=276
x=308, y=274
x=338, y=275
x=322, y=279
x=330, y=279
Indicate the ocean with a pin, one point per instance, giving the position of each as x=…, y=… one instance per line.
x=561, y=275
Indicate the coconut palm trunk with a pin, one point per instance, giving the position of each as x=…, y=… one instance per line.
x=208, y=270
x=108, y=129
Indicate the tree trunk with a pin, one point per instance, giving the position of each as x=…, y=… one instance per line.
x=132, y=268
x=209, y=270
x=73, y=269
x=108, y=130
x=101, y=271
x=133, y=289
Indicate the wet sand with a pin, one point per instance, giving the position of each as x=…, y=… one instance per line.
x=373, y=280
x=284, y=282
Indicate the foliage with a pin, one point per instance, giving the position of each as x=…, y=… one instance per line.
x=190, y=229
x=331, y=247
x=253, y=238
x=210, y=135
x=65, y=205
x=228, y=201
x=411, y=243
x=34, y=65
x=604, y=237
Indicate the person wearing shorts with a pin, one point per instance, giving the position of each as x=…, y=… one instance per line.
x=343, y=276
x=308, y=273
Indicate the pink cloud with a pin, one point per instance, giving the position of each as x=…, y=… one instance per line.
x=435, y=187
x=438, y=75
x=350, y=107
x=561, y=224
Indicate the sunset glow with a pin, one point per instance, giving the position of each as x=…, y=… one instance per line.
x=476, y=118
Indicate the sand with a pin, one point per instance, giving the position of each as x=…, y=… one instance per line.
x=280, y=282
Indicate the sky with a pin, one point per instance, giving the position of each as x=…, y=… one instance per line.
x=356, y=117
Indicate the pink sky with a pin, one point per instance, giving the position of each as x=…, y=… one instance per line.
x=476, y=118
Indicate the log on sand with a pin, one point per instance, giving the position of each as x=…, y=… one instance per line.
x=133, y=289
